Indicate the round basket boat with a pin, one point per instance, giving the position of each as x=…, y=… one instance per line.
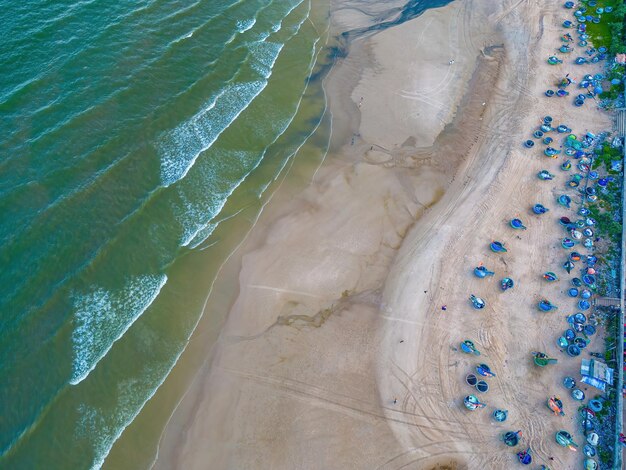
x=517, y=224
x=580, y=318
x=497, y=247
x=589, y=451
x=595, y=405
x=580, y=342
x=511, y=438
x=500, y=415
x=573, y=350
x=589, y=330
x=470, y=379
x=506, y=283
x=573, y=292
x=472, y=403
x=578, y=394
x=569, y=382
x=482, y=386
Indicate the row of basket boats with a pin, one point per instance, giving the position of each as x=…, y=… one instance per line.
x=579, y=231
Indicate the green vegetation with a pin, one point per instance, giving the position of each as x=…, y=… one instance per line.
x=610, y=32
x=606, y=155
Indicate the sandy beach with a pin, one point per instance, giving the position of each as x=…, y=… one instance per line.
x=338, y=312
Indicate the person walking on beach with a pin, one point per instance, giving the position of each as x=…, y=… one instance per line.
x=451, y=62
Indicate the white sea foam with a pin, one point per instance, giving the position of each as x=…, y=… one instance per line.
x=245, y=25
x=102, y=317
x=181, y=147
x=106, y=428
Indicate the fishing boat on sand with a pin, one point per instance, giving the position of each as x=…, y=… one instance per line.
x=541, y=359
x=517, y=224
x=550, y=276
x=545, y=175
x=556, y=405
x=472, y=403
x=568, y=266
x=506, y=283
x=546, y=305
x=524, y=457
x=468, y=347
x=500, y=415
x=540, y=209
x=497, y=247
x=511, y=438
x=482, y=272
x=484, y=370
x=477, y=302
x=565, y=439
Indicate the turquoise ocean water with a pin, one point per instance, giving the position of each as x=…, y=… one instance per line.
x=139, y=141
x=130, y=131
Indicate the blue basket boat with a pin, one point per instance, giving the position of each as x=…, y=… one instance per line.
x=546, y=306
x=550, y=276
x=477, y=302
x=564, y=200
x=506, y=283
x=482, y=272
x=544, y=174
x=517, y=224
x=511, y=438
x=524, y=457
x=500, y=415
x=540, y=209
x=468, y=347
x=497, y=247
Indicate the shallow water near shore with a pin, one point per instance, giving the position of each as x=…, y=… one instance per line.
x=140, y=142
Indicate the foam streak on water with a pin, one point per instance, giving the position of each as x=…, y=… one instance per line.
x=102, y=317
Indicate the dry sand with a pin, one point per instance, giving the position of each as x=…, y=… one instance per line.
x=332, y=321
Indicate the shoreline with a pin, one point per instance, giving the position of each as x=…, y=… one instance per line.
x=308, y=364
x=337, y=162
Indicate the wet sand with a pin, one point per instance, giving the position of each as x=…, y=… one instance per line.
x=340, y=288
